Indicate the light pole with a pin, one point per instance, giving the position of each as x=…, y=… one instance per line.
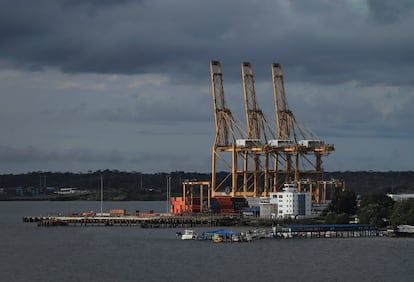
x=101, y=194
x=168, y=192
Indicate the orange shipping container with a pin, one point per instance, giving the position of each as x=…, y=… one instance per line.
x=149, y=214
x=118, y=211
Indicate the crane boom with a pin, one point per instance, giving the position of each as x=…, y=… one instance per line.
x=282, y=112
x=227, y=128
x=253, y=130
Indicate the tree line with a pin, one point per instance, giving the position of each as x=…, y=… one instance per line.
x=365, y=194
x=123, y=185
x=370, y=208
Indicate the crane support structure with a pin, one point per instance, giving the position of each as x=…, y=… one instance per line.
x=282, y=159
x=259, y=131
x=259, y=159
x=302, y=143
x=190, y=194
x=228, y=130
x=253, y=129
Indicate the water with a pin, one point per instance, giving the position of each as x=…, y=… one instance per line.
x=31, y=253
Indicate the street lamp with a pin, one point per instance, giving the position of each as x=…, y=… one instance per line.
x=168, y=192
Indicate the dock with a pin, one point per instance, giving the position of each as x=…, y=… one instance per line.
x=204, y=220
x=144, y=220
x=329, y=231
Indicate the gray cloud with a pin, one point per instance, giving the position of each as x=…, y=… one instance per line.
x=389, y=11
x=95, y=82
x=320, y=42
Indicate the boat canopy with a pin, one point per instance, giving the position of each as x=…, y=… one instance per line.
x=221, y=232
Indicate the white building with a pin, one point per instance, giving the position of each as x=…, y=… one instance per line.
x=406, y=229
x=291, y=203
x=399, y=197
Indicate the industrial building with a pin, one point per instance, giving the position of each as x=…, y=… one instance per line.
x=286, y=204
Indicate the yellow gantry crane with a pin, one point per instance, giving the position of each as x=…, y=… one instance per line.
x=261, y=159
x=259, y=132
x=281, y=149
x=228, y=130
x=302, y=144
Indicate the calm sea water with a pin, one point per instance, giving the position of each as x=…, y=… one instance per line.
x=31, y=253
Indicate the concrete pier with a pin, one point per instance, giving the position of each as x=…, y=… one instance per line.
x=150, y=220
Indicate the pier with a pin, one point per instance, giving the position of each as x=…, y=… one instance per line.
x=144, y=220
x=201, y=220
x=329, y=231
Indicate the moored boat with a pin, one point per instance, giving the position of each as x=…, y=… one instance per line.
x=188, y=234
x=223, y=235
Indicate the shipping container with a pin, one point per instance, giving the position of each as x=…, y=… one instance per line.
x=117, y=212
x=226, y=211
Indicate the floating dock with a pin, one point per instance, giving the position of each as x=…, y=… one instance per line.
x=328, y=231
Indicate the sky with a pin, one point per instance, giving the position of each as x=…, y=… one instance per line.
x=118, y=84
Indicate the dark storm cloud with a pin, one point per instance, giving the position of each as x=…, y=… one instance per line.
x=322, y=42
x=119, y=83
x=389, y=11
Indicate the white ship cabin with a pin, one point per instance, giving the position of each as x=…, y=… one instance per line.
x=248, y=142
x=311, y=143
x=280, y=143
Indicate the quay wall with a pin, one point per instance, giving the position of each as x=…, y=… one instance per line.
x=171, y=221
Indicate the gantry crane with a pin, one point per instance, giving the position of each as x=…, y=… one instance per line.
x=300, y=144
x=253, y=132
x=228, y=130
x=259, y=131
x=282, y=149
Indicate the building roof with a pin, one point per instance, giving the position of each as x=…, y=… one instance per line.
x=331, y=227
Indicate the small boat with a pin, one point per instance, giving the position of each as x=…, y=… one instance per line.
x=188, y=235
x=223, y=235
x=217, y=238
